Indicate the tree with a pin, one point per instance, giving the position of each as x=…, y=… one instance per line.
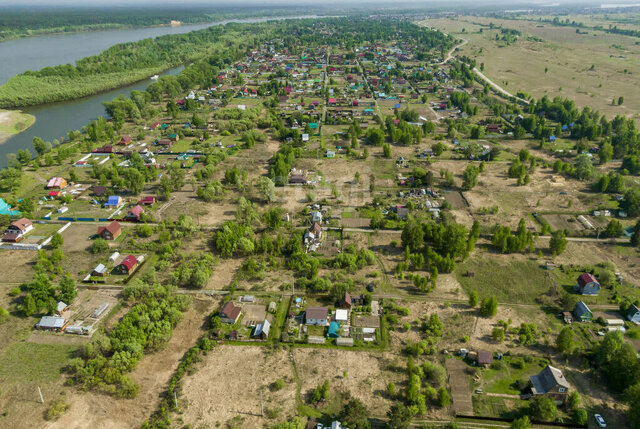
x=632, y=396
x=56, y=240
x=631, y=202
x=470, y=177
x=356, y=415
x=558, y=242
x=635, y=238
x=564, y=342
x=498, y=334
x=489, y=307
x=412, y=235
x=473, y=299
x=614, y=228
x=620, y=100
x=521, y=423
x=386, y=150
x=67, y=289
x=321, y=392
x=399, y=417
x=134, y=180
x=267, y=189
x=543, y=408
x=443, y=397
x=573, y=400
x=583, y=167
x=99, y=245
x=606, y=152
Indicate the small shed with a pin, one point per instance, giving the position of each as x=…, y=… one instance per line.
x=61, y=307
x=485, y=358
x=99, y=271
x=334, y=327
x=262, y=330
x=348, y=342
x=342, y=315
x=114, y=257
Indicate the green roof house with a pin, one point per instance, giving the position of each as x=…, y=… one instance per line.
x=582, y=312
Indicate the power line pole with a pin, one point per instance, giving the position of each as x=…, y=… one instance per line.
x=40, y=393
x=261, y=407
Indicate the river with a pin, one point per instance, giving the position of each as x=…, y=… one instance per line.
x=57, y=119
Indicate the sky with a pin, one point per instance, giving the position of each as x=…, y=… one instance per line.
x=341, y=3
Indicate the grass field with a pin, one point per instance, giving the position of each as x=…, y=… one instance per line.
x=512, y=279
x=568, y=58
x=45, y=362
x=14, y=122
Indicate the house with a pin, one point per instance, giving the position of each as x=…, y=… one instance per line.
x=20, y=226
x=128, y=265
x=550, y=382
x=5, y=209
x=57, y=183
x=316, y=216
x=99, y=191
x=342, y=315
x=174, y=137
x=135, y=213
x=316, y=315
x=582, y=312
x=52, y=323
x=262, y=330
x=633, y=314
x=99, y=271
x=111, y=231
x=12, y=237
x=346, y=301
x=330, y=154
x=113, y=201
x=298, y=179
x=125, y=140
x=334, y=328
x=567, y=317
x=230, y=313
x=485, y=358
x=164, y=142
x=316, y=229
x=147, y=201
x=587, y=284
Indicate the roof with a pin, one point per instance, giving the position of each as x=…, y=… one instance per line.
x=129, y=262
x=581, y=308
x=547, y=379
x=316, y=229
x=61, y=306
x=113, y=200
x=633, y=309
x=114, y=228
x=333, y=328
x=262, y=328
x=22, y=223
x=485, y=358
x=52, y=322
x=342, y=314
x=317, y=312
x=230, y=310
x=137, y=210
x=100, y=269
x=347, y=298
x=56, y=182
x=585, y=279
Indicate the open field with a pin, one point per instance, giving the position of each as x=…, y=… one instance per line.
x=566, y=55
x=13, y=122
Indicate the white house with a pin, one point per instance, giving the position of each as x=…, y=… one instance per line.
x=317, y=316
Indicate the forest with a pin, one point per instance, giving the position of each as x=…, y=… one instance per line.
x=22, y=22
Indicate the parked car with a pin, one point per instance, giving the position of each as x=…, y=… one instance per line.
x=600, y=421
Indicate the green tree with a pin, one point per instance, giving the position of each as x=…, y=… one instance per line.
x=412, y=235
x=470, y=177
x=267, y=189
x=443, y=397
x=564, y=342
x=605, y=154
x=473, y=299
x=635, y=238
x=489, y=307
x=399, y=417
x=386, y=150
x=583, y=167
x=356, y=415
x=99, y=245
x=521, y=423
x=67, y=288
x=56, y=240
x=543, y=409
x=614, y=228
x=558, y=242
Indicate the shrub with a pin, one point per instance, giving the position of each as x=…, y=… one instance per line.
x=55, y=410
x=277, y=385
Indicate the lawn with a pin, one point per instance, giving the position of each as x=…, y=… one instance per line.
x=30, y=362
x=513, y=281
x=505, y=380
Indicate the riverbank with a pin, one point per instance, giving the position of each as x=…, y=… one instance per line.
x=14, y=122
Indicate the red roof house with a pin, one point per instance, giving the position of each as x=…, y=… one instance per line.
x=125, y=140
x=135, y=213
x=127, y=265
x=111, y=231
x=147, y=201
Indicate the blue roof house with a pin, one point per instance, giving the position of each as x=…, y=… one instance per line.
x=5, y=209
x=113, y=201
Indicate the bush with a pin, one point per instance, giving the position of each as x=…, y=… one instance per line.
x=99, y=245
x=277, y=385
x=14, y=291
x=55, y=410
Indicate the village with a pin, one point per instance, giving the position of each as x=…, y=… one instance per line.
x=368, y=200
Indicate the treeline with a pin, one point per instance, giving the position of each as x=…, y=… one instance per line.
x=27, y=21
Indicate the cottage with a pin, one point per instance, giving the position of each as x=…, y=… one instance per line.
x=125, y=140
x=52, y=323
x=485, y=358
x=128, y=265
x=164, y=143
x=230, y=313
x=582, y=312
x=99, y=191
x=262, y=330
x=298, y=179
x=111, y=231
x=99, y=271
x=147, y=201
x=135, y=213
x=587, y=284
x=174, y=137
x=316, y=315
x=113, y=201
x=550, y=382
x=20, y=226
x=346, y=301
x=61, y=307
x=12, y=237
x=57, y=183
x=633, y=314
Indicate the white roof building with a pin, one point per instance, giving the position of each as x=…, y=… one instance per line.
x=342, y=315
